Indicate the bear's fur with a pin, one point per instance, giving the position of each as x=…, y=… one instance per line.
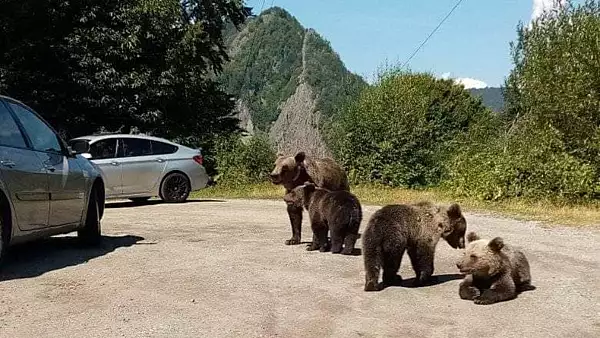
x=338, y=212
x=415, y=228
x=293, y=171
x=495, y=271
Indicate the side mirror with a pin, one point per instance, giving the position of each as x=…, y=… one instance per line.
x=81, y=147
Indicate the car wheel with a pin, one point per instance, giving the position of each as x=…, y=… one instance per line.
x=139, y=200
x=175, y=188
x=91, y=232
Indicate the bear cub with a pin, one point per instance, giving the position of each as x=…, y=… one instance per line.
x=338, y=212
x=495, y=271
x=415, y=228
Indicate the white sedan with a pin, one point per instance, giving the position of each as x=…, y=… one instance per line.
x=139, y=167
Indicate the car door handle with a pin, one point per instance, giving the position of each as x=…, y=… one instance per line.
x=49, y=167
x=114, y=163
x=160, y=160
x=8, y=164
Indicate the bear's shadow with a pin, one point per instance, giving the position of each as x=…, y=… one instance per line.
x=435, y=280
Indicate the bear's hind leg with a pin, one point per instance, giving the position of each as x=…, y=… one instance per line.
x=349, y=243
x=391, y=264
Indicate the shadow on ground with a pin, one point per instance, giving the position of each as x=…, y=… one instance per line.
x=55, y=253
x=436, y=280
x=131, y=204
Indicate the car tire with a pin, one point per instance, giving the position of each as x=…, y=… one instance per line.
x=139, y=200
x=175, y=188
x=91, y=233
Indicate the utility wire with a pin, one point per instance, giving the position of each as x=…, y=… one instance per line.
x=431, y=34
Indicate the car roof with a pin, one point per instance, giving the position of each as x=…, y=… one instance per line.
x=97, y=137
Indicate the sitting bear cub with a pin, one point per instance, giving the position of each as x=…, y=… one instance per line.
x=336, y=211
x=494, y=271
x=415, y=228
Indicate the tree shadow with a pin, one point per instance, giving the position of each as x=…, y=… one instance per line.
x=55, y=253
x=132, y=204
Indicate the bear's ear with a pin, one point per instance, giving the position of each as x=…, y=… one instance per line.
x=454, y=211
x=300, y=157
x=496, y=244
x=472, y=236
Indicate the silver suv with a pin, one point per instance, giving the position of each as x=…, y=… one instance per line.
x=45, y=188
x=139, y=167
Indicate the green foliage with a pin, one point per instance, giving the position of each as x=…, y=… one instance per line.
x=120, y=64
x=402, y=129
x=241, y=161
x=556, y=79
x=549, y=142
x=528, y=161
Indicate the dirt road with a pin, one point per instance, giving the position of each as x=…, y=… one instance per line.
x=220, y=269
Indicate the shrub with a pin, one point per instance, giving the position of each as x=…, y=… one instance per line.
x=242, y=161
x=401, y=130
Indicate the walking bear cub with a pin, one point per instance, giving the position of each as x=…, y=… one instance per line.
x=414, y=228
x=336, y=211
x=294, y=171
x=494, y=271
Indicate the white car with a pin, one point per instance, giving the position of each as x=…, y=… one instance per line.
x=139, y=167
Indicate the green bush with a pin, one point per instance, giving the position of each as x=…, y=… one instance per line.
x=241, y=161
x=529, y=161
x=401, y=130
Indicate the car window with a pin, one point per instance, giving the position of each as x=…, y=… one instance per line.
x=42, y=137
x=104, y=149
x=10, y=134
x=161, y=148
x=131, y=147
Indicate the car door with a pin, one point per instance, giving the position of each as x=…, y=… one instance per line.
x=23, y=174
x=141, y=169
x=67, y=183
x=104, y=154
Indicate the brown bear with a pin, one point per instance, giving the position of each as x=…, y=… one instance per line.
x=415, y=228
x=293, y=171
x=338, y=212
x=494, y=271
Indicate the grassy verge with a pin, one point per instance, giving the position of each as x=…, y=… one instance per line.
x=584, y=215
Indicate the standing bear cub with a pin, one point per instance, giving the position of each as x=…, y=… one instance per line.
x=294, y=171
x=414, y=228
x=494, y=271
x=336, y=211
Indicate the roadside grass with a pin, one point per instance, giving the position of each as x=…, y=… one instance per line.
x=546, y=212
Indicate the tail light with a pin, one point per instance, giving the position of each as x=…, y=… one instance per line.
x=199, y=159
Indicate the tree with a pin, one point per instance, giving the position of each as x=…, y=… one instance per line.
x=402, y=129
x=121, y=64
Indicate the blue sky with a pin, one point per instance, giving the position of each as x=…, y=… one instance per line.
x=472, y=44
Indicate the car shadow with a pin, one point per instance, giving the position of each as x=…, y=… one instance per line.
x=131, y=204
x=36, y=258
x=435, y=280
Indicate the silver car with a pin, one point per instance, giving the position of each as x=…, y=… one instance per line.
x=45, y=188
x=139, y=167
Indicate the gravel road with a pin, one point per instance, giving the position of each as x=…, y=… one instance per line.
x=220, y=269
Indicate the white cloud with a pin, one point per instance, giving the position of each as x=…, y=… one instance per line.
x=471, y=83
x=541, y=6
x=465, y=81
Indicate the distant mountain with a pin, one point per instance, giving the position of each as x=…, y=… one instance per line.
x=287, y=79
x=492, y=97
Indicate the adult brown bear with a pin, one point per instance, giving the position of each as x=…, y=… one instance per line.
x=293, y=171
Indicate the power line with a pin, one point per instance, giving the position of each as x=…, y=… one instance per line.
x=431, y=34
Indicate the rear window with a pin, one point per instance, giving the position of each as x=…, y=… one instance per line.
x=161, y=148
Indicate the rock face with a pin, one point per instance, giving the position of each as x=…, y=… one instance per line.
x=288, y=80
